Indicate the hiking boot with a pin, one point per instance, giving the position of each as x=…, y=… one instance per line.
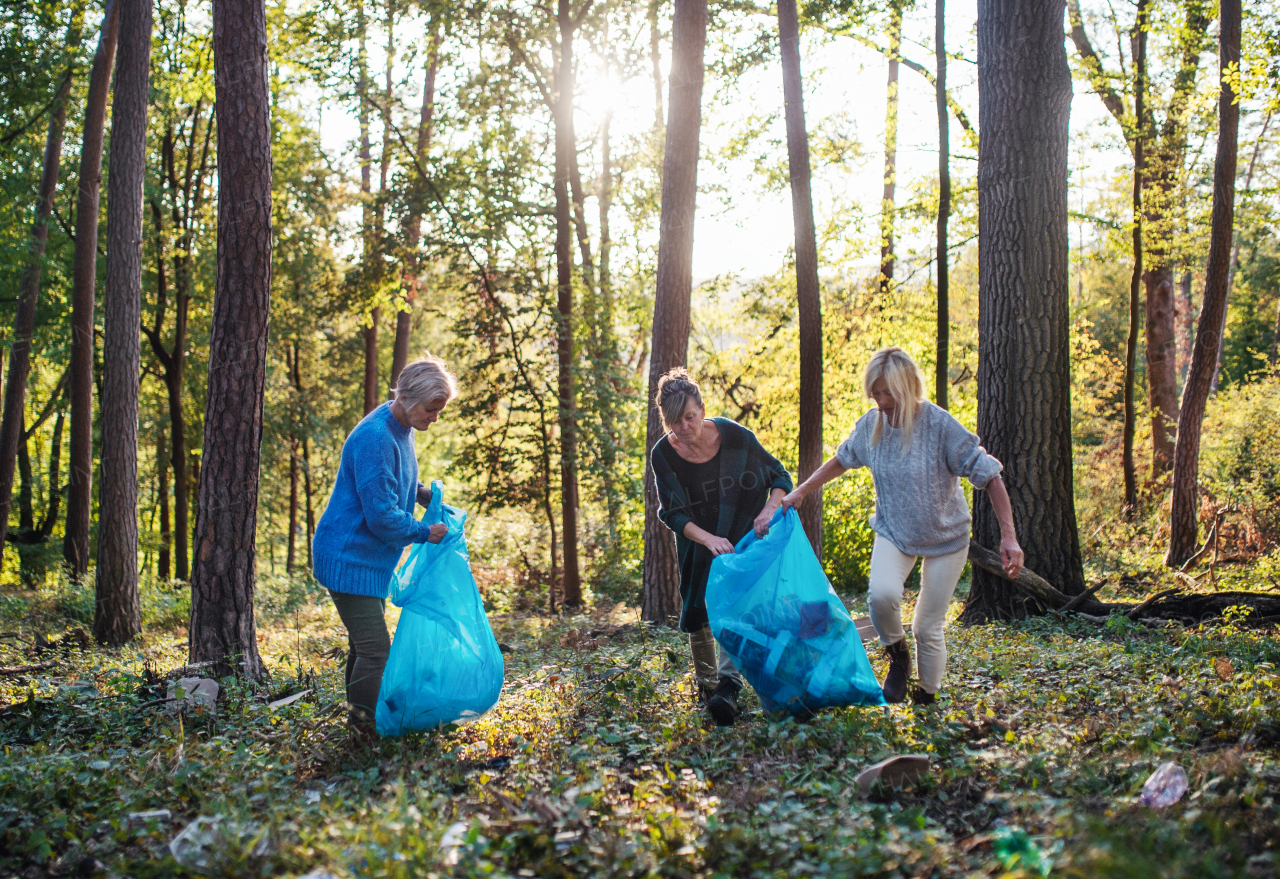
x=723, y=704
x=895, y=682
x=921, y=696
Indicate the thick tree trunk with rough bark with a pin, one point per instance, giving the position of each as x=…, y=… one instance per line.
x=671, y=305
x=1184, y=521
x=222, y=626
x=888, y=208
x=75, y=545
x=117, y=614
x=1024, y=381
x=943, y=337
x=11, y=424
x=808, y=292
x=566, y=157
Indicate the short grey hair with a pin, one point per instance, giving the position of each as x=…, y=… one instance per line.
x=675, y=390
x=427, y=381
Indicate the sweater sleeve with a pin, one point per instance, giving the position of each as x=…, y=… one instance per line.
x=846, y=452
x=673, y=505
x=375, y=471
x=966, y=457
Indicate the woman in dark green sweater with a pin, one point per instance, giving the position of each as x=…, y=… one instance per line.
x=715, y=483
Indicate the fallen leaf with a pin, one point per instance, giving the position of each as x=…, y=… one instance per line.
x=1222, y=666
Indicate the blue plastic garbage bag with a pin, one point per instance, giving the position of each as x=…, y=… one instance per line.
x=772, y=608
x=445, y=664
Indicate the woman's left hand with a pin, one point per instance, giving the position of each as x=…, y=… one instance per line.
x=1011, y=556
x=438, y=531
x=762, y=521
x=424, y=495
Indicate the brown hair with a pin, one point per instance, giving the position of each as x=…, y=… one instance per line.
x=675, y=390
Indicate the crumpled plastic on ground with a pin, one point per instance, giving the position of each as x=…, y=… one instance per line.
x=445, y=665
x=774, y=612
x=1014, y=848
x=212, y=845
x=1165, y=786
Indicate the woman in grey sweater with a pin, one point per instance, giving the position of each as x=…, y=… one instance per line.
x=917, y=453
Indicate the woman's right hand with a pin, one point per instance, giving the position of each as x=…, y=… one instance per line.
x=794, y=499
x=718, y=545
x=438, y=531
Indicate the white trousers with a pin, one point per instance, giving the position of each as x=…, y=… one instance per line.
x=938, y=577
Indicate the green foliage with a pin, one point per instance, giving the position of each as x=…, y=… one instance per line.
x=846, y=534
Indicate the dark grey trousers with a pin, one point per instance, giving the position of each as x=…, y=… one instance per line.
x=369, y=645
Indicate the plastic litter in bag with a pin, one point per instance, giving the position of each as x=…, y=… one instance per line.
x=444, y=665
x=1165, y=786
x=773, y=610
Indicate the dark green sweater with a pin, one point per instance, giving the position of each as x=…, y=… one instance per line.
x=747, y=474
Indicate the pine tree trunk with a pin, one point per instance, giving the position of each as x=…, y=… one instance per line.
x=671, y=305
x=566, y=156
x=888, y=209
x=943, y=292
x=12, y=422
x=808, y=291
x=222, y=625
x=1139, y=42
x=1024, y=381
x=118, y=609
x=1186, y=459
x=75, y=545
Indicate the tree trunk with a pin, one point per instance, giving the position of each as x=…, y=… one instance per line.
x=1139, y=41
x=566, y=155
x=368, y=219
x=293, y=507
x=55, y=478
x=306, y=490
x=164, y=556
x=26, y=510
x=222, y=626
x=1024, y=380
x=808, y=291
x=887, y=200
x=413, y=224
x=1162, y=364
x=75, y=546
x=655, y=62
x=117, y=609
x=12, y=422
x=1186, y=459
x=671, y=305
x=943, y=344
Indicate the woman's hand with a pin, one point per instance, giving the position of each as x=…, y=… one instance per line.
x=1011, y=556
x=424, y=495
x=438, y=531
x=795, y=498
x=717, y=545
x=762, y=521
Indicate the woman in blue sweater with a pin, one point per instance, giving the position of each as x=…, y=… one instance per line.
x=369, y=521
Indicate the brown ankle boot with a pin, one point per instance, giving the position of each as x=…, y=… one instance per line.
x=895, y=682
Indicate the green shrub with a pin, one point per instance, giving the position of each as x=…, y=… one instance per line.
x=1240, y=465
x=847, y=537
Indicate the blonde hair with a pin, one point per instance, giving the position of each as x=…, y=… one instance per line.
x=675, y=390
x=905, y=383
x=427, y=381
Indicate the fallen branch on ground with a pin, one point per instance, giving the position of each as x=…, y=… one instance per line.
x=23, y=669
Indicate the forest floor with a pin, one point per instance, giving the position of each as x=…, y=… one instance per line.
x=596, y=761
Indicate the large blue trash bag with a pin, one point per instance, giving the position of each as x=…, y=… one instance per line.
x=772, y=608
x=445, y=664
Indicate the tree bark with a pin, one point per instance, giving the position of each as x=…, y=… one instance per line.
x=808, y=291
x=306, y=490
x=566, y=156
x=164, y=560
x=293, y=507
x=413, y=224
x=655, y=63
x=222, y=625
x=1139, y=41
x=888, y=209
x=1184, y=518
x=1024, y=381
x=11, y=424
x=943, y=340
x=118, y=609
x=368, y=217
x=671, y=305
x=54, y=493
x=75, y=545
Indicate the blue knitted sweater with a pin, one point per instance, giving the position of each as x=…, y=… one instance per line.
x=369, y=520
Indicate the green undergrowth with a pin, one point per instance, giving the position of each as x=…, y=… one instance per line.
x=596, y=761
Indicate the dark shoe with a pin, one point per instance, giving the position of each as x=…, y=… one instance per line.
x=920, y=696
x=723, y=704
x=362, y=731
x=895, y=682
x=703, y=694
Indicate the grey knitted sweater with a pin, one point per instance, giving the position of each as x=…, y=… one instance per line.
x=920, y=506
